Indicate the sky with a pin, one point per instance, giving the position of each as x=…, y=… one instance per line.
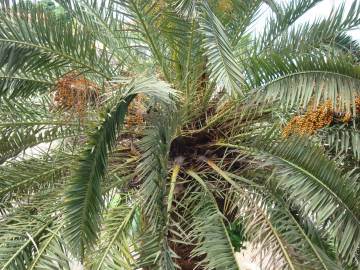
x=322, y=9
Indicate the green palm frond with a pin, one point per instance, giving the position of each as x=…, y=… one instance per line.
x=186, y=8
x=104, y=20
x=153, y=173
x=342, y=140
x=24, y=229
x=84, y=201
x=153, y=166
x=142, y=19
x=209, y=230
x=348, y=45
x=270, y=224
x=306, y=253
x=314, y=183
x=16, y=140
x=224, y=69
x=21, y=178
x=297, y=81
x=116, y=244
x=274, y=6
x=51, y=253
x=28, y=123
x=263, y=232
x=47, y=43
x=322, y=34
x=244, y=15
x=17, y=251
x=252, y=210
x=286, y=15
x=273, y=228
x=22, y=85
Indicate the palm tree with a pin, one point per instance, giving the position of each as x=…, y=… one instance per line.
x=138, y=134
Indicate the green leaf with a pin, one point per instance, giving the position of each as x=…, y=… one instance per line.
x=51, y=253
x=115, y=248
x=296, y=81
x=27, y=123
x=208, y=228
x=22, y=85
x=32, y=39
x=324, y=34
x=286, y=15
x=271, y=226
x=23, y=177
x=104, y=20
x=83, y=201
x=152, y=172
x=321, y=190
x=224, y=69
x=342, y=140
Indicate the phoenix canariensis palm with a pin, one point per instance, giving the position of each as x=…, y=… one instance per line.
x=160, y=125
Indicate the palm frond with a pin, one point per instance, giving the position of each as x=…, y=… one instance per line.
x=286, y=15
x=17, y=250
x=117, y=239
x=271, y=226
x=342, y=140
x=314, y=184
x=159, y=188
x=244, y=14
x=32, y=39
x=22, y=85
x=224, y=69
x=142, y=19
x=305, y=252
x=296, y=81
x=322, y=34
x=83, y=197
x=209, y=232
x=24, y=177
x=50, y=252
x=24, y=229
x=28, y=123
x=153, y=173
x=15, y=141
x=84, y=201
x=252, y=210
x=274, y=6
x=103, y=19
x=185, y=8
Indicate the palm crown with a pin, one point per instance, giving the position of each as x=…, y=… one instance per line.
x=160, y=126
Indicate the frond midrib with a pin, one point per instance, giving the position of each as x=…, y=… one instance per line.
x=218, y=212
x=115, y=236
x=30, y=241
x=44, y=248
x=8, y=77
x=310, y=72
x=61, y=54
x=321, y=184
x=30, y=180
